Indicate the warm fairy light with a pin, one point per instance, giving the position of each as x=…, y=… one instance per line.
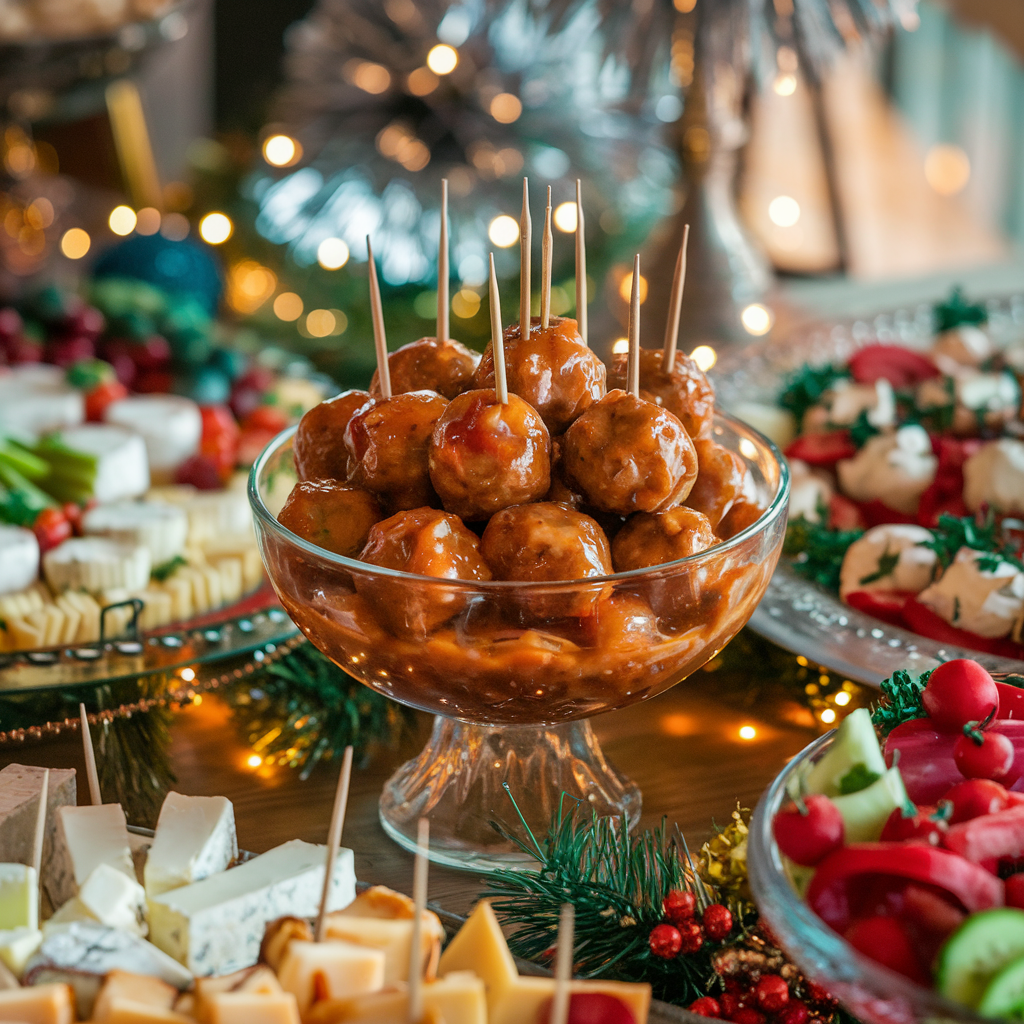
x=506, y=108
x=443, y=59
x=620, y=345
x=288, y=306
x=756, y=319
x=503, y=231
x=197, y=700
x=802, y=661
x=626, y=288
x=320, y=323
x=254, y=760
x=828, y=716
x=684, y=6
x=398, y=143
x=947, y=168
x=147, y=221
x=843, y=698
x=784, y=211
x=465, y=304
x=281, y=151
x=122, y=220
x=332, y=254
x=704, y=356
x=564, y=217
x=188, y=674
x=39, y=213
x=215, y=228
x=249, y=286
x=421, y=82
x=365, y=75
x=75, y=243
x=747, y=732
x=784, y=85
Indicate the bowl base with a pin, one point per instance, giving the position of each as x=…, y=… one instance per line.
x=474, y=782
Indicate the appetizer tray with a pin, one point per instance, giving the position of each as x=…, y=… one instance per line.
x=795, y=613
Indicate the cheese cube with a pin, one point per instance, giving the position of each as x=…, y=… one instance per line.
x=90, y=836
x=480, y=947
x=19, y=897
x=138, y=989
x=72, y=619
x=17, y=947
x=252, y=1008
x=20, y=787
x=393, y=938
x=329, y=970
x=195, y=838
x=44, y=1004
x=251, y=979
x=456, y=999
x=127, y=1011
x=114, y=899
x=73, y=910
x=215, y=926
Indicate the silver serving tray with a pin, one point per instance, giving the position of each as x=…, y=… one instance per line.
x=794, y=613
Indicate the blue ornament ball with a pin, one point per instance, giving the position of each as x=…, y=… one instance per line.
x=179, y=268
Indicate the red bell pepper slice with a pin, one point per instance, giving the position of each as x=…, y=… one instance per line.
x=1011, y=701
x=839, y=878
x=945, y=494
x=901, y=367
x=877, y=513
x=886, y=605
x=822, y=449
x=921, y=619
x=990, y=837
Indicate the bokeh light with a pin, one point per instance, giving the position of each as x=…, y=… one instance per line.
x=465, y=304
x=503, y=231
x=747, y=732
x=443, y=59
x=288, y=307
x=147, y=221
x=784, y=211
x=704, y=356
x=947, y=168
x=75, y=243
x=564, y=217
x=626, y=288
x=332, y=254
x=756, y=319
x=320, y=323
x=281, y=151
x=122, y=220
x=506, y=108
x=215, y=228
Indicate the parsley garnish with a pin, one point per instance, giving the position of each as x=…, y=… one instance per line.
x=862, y=430
x=818, y=551
x=901, y=701
x=807, y=385
x=167, y=569
x=859, y=777
x=951, y=534
x=886, y=566
x=956, y=310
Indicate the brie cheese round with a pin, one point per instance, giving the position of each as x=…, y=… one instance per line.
x=894, y=468
x=994, y=476
x=96, y=564
x=160, y=527
x=890, y=557
x=170, y=425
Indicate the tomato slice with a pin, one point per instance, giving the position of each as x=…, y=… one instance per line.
x=842, y=876
x=886, y=605
x=901, y=367
x=921, y=619
x=989, y=837
x=822, y=449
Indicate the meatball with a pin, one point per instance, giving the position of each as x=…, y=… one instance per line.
x=331, y=515
x=446, y=367
x=485, y=456
x=319, y=447
x=559, y=490
x=743, y=513
x=424, y=542
x=654, y=538
x=552, y=370
x=685, y=392
x=626, y=455
x=720, y=475
x=387, y=442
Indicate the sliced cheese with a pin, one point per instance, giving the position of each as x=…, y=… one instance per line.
x=252, y=1008
x=17, y=947
x=157, y=526
x=114, y=899
x=96, y=564
x=457, y=998
x=122, y=468
x=480, y=946
x=90, y=836
x=19, y=558
x=329, y=970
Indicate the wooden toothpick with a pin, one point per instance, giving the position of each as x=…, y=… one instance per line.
x=581, y=266
x=90, y=759
x=525, y=243
x=40, y=837
x=419, y=899
x=442, y=267
x=497, y=340
x=380, y=340
x=675, y=305
x=334, y=837
x=547, y=243
x=563, y=965
x=633, y=363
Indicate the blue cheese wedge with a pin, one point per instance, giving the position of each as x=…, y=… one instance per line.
x=87, y=838
x=215, y=926
x=19, y=559
x=195, y=838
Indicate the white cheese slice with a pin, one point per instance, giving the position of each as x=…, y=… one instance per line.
x=122, y=470
x=863, y=566
x=90, y=836
x=114, y=899
x=195, y=838
x=36, y=399
x=994, y=475
x=19, y=558
x=19, y=897
x=17, y=946
x=215, y=926
x=157, y=526
x=170, y=425
x=96, y=564
x=895, y=468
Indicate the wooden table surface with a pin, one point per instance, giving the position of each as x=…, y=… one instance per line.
x=683, y=749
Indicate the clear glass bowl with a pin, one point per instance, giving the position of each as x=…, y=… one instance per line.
x=502, y=659
x=869, y=991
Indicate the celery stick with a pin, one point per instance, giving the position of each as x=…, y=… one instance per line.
x=25, y=462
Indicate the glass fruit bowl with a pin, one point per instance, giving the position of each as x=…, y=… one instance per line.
x=870, y=992
x=513, y=669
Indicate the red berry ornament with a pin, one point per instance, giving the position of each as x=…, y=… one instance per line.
x=745, y=1015
x=809, y=831
x=975, y=797
x=717, y=922
x=691, y=937
x=795, y=1013
x=665, y=941
x=679, y=906
x=957, y=692
x=772, y=993
x=706, y=1006
x=982, y=754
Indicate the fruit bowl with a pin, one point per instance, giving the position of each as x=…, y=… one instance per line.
x=868, y=990
x=514, y=668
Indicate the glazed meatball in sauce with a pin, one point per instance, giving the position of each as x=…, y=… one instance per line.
x=331, y=515
x=319, y=446
x=720, y=475
x=653, y=538
x=446, y=367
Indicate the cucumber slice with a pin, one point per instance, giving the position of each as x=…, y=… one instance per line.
x=855, y=743
x=866, y=811
x=978, y=950
x=1004, y=996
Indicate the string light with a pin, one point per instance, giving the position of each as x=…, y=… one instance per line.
x=503, y=231
x=254, y=760
x=784, y=211
x=843, y=698
x=828, y=716
x=188, y=674
x=443, y=59
x=506, y=108
x=747, y=732
x=122, y=220
x=704, y=356
x=332, y=254
x=756, y=319
x=288, y=307
x=282, y=151
x=75, y=243
x=620, y=345
x=564, y=217
x=215, y=228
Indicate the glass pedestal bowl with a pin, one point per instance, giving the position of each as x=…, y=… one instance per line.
x=513, y=670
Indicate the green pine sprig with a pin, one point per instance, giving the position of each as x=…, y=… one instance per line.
x=818, y=551
x=806, y=387
x=901, y=700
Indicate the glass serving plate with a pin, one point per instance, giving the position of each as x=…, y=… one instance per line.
x=795, y=613
x=513, y=670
